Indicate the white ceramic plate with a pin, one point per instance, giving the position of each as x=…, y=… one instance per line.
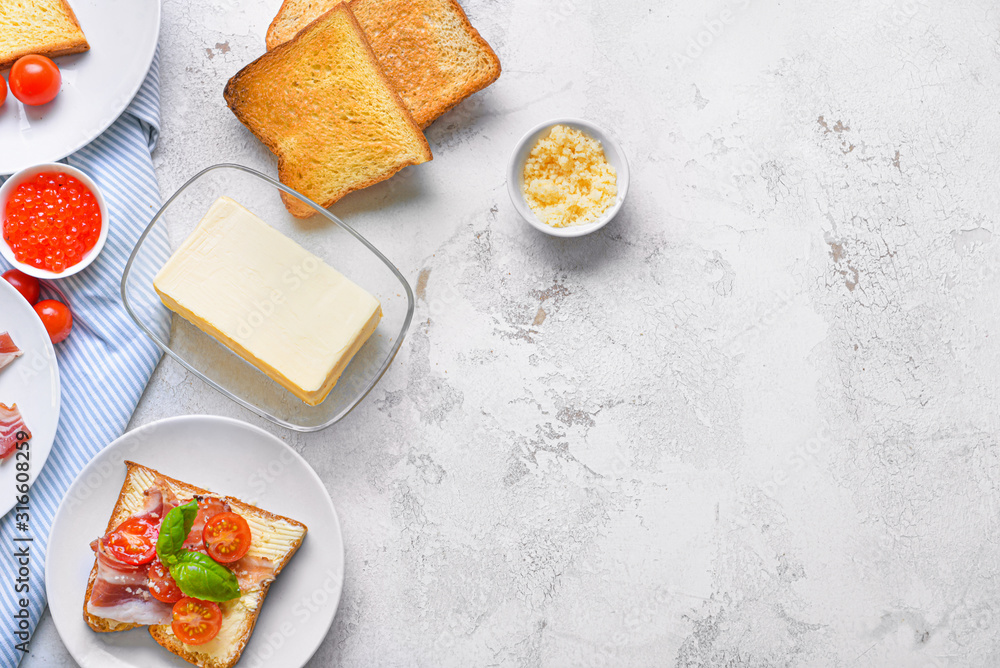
x=97, y=85
x=233, y=459
x=32, y=382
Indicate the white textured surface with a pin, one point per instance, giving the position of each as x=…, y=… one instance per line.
x=750, y=423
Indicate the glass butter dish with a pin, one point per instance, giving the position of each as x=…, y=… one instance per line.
x=323, y=235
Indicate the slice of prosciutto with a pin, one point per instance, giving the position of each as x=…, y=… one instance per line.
x=8, y=351
x=160, y=499
x=12, y=430
x=121, y=592
x=252, y=572
x=208, y=507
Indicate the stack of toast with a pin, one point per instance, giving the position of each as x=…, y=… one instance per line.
x=427, y=48
x=346, y=88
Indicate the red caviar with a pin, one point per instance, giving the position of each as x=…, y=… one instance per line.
x=51, y=221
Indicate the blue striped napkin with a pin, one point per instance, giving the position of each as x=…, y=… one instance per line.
x=107, y=361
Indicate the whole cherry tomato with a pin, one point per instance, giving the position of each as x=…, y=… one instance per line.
x=27, y=285
x=56, y=317
x=3, y=91
x=35, y=80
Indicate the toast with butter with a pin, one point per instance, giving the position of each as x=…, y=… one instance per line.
x=428, y=49
x=322, y=104
x=45, y=27
x=275, y=538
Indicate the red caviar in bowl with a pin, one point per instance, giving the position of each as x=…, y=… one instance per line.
x=51, y=221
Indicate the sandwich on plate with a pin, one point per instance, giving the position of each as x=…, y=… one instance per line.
x=193, y=566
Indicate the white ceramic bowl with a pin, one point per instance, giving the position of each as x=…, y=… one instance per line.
x=7, y=189
x=515, y=175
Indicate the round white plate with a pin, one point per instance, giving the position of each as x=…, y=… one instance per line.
x=32, y=382
x=97, y=85
x=230, y=458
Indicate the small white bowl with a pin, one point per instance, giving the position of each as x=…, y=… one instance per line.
x=7, y=189
x=515, y=175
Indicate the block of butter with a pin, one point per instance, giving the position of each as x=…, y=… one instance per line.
x=272, y=302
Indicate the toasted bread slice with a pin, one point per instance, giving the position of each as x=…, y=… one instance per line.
x=46, y=27
x=428, y=49
x=293, y=16
x=275, y=537
x=321, y=103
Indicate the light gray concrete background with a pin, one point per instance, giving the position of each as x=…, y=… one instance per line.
x=753, y=422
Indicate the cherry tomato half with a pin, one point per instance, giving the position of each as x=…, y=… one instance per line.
x=134, y=541
x=208, y=507
x=28, y=286
x=196, y=621
x=56, y=317
x=162, y=585
x=227, y=537
x=3, y=91
x=35, y=80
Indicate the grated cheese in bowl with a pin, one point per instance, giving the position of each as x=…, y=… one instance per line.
x=567, y=178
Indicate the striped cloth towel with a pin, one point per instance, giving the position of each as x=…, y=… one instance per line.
x=107, y=361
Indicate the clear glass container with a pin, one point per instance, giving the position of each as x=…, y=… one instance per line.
x=324, y=235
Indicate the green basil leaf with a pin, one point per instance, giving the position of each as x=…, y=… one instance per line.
x=198, y=575
x=174, y=531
